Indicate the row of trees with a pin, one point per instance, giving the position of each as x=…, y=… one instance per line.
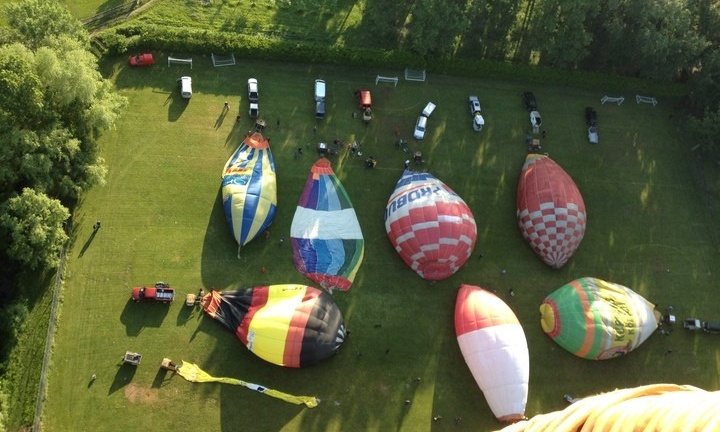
x=53, y=106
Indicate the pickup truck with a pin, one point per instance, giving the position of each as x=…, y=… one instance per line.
x=160, y=292
x=707, y=326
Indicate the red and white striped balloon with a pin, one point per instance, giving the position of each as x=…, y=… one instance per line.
x=430, y=226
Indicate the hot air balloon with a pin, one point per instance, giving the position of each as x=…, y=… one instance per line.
x=654, y=407
x=326, y=239
x=493, y=344
x=598, y=320
x=288, y=325
x=429, y=225
x=249, y=189
x=550, y=210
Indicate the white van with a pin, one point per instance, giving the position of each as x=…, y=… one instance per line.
x=319, y=90
x=429, y=108
x=185, y=84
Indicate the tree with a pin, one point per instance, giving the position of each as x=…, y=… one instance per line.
x=37, y=21
x=435, y=27
x=561, y=33
x=33, y=224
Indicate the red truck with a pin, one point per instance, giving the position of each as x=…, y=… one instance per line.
x=160, y=292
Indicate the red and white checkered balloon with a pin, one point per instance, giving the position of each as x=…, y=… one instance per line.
x=550, y=210
x=430, y=226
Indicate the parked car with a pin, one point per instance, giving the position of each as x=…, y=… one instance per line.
x=712, y=327
x=319, y=90
x=477, y=119
x=428, y=110
x=420, y=126
x=535, y=119
x=185, y=84
x=474, y=104
x=142, y=60
x=253, y=94
x=529, y=101
x=254, y=110
x=160, y=292
x=364, y=99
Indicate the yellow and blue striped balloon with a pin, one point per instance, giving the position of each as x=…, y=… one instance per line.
x=249, y=189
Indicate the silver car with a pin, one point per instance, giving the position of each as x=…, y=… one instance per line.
x=420, y=126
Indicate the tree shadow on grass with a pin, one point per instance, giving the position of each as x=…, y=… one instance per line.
x=123, y=377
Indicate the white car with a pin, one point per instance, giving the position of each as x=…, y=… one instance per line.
x=474, y=103
x=420, y=126
x=535, y=119
x=478, y=121
x=185, y=84
x=253, y=95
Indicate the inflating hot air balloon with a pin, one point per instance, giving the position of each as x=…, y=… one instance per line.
x=493, y=344
x=550, y=210
x=288, y=325
x=326, y=239
x=654, y=407
x=598, y=320
x=249, y=189
x=429, y=225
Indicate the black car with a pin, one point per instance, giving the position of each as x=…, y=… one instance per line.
x=590, y=116
x=529, y=100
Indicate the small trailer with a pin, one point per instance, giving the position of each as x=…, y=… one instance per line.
x=712, y=327
x=132, y=358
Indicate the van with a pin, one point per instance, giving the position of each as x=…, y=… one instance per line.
x=319, y=90
x=429, y=108
x=320, y=109
x=185, y=84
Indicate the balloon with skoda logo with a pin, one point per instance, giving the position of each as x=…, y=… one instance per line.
x=429, y=225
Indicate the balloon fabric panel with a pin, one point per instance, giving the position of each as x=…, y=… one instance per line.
x=494, y=346
x=249, y=189
x=550, y=210
x=430, y=226
x=326, y=238
x=282, y=324
x=598, y=320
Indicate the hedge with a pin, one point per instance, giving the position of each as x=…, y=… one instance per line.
x=133, y=36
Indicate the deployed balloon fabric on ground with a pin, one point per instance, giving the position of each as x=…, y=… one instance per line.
x=429, y=225
x=494, y=346
x=598, y=320
x=326, y=239
x=288, y=325
x=550, y=210
x=249, y=189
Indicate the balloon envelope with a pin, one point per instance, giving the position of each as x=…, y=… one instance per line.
x=597, y=320
x=550, y=210
x=429, y=225
x=249, y=189
x=288, y=325
x=494, y=346
x=326, y=239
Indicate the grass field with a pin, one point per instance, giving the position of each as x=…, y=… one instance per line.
x=162, y=220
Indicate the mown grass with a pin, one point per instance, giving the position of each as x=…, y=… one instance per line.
x=162, y=220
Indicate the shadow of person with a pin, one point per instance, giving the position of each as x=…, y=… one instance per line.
x=221, y=117
x=87, y=243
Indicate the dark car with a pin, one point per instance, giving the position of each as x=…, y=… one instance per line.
x=590, y=116
x=529, y=101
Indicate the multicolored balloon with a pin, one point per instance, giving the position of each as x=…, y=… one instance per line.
x=493, y=344
x=598, y=320
x=429, y=225
x=249, y=189
x=326, y=239
x=550, y=210
x=288, y=325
